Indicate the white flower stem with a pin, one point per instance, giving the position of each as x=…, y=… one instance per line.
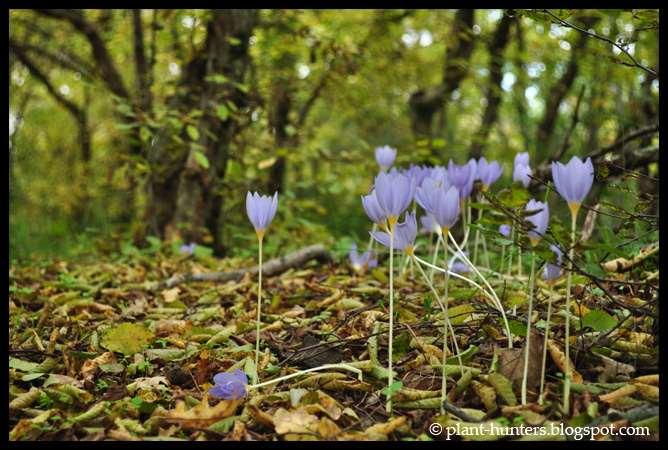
x=527, y=344
x=370, y=244
x=302, y=372
x=567, y=374
x=390, y=378
x=433, y=259
x=446, y=325
x=259, y=309
x=510, y=251
x=484, y=280
x=547, y=336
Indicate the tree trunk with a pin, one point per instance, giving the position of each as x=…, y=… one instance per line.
x=495, y=50
x=185, y=197
x=424, y=103
x=279, y=120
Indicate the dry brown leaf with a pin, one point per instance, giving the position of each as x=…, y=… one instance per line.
x=201, y=415
x=260, y=416
x=300, y=421
x=171, y=295
x=511, y=361
x=378, y=432
x=487, y=394
x=90, y=366
x=559, y=359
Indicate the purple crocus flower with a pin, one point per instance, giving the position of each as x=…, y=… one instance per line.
x=522, y=159
x=573, y=181
x=229, y=385
x=488, y=173
x=417, y=173
x=187, y=249
x=522, y=174
x=504, y=230
x=462, y=177
x=385, y=156
x=539, y=220
x=429, y=224
x=363, y=261
x=553, y=271
x=456, y=265
x=441, y=203
x=404, y=234
x=261, y=210
x=373, y=209
x=394, y=192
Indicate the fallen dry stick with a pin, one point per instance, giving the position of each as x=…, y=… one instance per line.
x=272, y=267
x=623, y=264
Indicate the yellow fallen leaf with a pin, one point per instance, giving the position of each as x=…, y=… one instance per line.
x=200, y=416
x=647, y=391
x=299, y=421
x=648, y=379
x=559, y=359
x=618, y=393
x=170, y=295
x=378, y=432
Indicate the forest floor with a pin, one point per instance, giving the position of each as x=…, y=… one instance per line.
x=104, y=351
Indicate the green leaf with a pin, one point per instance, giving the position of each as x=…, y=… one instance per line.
x=598, y=320
x=223, y=112
x=24, y=366
x=503, y=387
x=218, y=78
x=395, y=387
x=192, y=132
x=127, y=338
x=201, y=159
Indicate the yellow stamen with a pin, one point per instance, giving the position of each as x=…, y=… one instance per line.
x=445, y=231
x=392, y=221
x=534, y=241
x=409, y=250
x=260, y=233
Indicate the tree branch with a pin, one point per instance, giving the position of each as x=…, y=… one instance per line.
x=602, y=38
x=108, y=70
x=141, y=65
x=270, y=268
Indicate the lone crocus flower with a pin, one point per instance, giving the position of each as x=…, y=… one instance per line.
x=385, y=156
x=361, y=263
x=229, y=385
x=261, y=210
x=573, y=182
x=539, y=218
x=394, y=192
x=504, y=230
x=457, y=266
x=187, y=249
x=488, y=173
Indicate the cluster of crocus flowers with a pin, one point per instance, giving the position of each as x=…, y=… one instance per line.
x=360, y=263
x=261, y=210
x=573, y=182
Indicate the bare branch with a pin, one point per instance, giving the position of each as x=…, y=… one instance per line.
x=108, y=70
x=621, y=48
